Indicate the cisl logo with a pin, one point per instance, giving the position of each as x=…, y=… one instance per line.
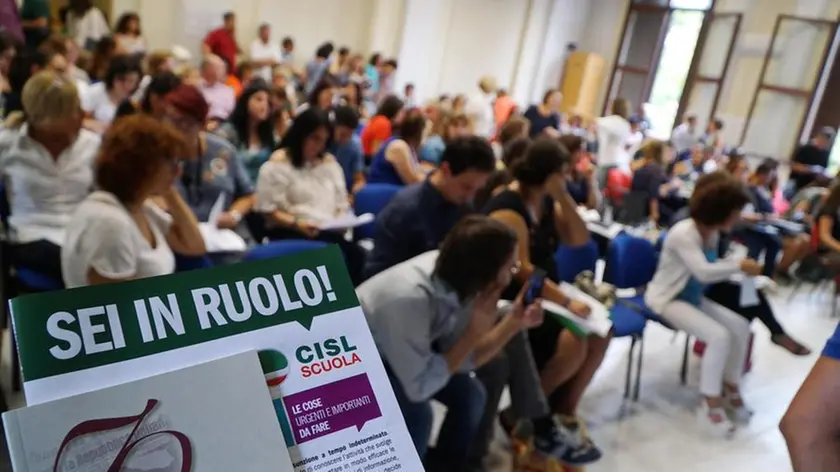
x=327, y=355
x=275, y=366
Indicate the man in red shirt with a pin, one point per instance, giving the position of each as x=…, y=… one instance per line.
x=222, y=41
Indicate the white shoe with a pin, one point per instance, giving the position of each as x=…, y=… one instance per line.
x=736, y=409
x=715, y=421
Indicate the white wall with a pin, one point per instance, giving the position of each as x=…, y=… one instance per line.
x=443, y=46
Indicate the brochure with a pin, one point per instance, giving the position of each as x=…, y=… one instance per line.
x=213, y=417
x=330, y=391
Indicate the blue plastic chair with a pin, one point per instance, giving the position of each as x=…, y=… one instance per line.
x=283, y=247
x=372, y=198
x=571, y=261
x=626, y=322
x=187, y=263
x=29, y=279
x=631, y=263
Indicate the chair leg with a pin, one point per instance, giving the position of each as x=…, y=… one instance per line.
x=629, y=368
x=639, y=356
x=684, y=369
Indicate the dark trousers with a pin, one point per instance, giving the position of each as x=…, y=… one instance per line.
x=728, y=294
x=514, y=367
x=354, y=256
x=464, y=397
x=41, y=256
x=759, y=242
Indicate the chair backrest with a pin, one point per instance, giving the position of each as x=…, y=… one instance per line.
x=635, y=208
x=282, y=248
x=372, y=198
x=571, y=261
x=631, y=261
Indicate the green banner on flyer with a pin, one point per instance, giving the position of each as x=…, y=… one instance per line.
x=77, y=329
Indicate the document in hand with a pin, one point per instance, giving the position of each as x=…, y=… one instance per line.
x=598, y=322
x=218, y=239
x=346, y=221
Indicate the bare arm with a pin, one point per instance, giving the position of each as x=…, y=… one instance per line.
x=653, y=209
x=242, y=205
x=826, y=224
x=570, y=226
x=399, y=155
x=494, y=341
x=550, y=290
x=811, y=426
x=184, y=237
x=592, y=198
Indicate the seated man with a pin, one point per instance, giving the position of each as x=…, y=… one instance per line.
x=417, y=220
x=440, y=323
x=419, y=216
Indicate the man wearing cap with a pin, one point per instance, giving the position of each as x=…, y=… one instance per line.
x=480, y=107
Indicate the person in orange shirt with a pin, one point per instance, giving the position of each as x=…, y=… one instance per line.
x=503, y=108
x=379, y=128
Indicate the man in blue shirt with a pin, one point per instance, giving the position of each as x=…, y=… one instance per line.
x=347, y=148
x=420, y=215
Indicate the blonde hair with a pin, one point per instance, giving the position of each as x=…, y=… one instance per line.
x=47, y=98
x=156, y=60
x=454, y=119
x=654, y=151
x=621, y=107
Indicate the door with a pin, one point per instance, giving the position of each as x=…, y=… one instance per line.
x=789, y=75
x=710, y=66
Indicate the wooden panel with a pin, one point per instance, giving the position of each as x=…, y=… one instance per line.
x=582, y=82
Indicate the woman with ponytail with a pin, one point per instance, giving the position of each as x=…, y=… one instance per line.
x=539, y=209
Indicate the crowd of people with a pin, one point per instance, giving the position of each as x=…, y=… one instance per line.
x=113, y=156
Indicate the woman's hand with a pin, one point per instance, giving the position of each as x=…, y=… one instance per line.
x=309, y=229
x=485, y=310
x=751, y=267
x=579, y=308
x=227, y=220
x=527, y=317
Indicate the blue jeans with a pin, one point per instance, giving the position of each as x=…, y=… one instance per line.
x=759, y=242
x=464, y=397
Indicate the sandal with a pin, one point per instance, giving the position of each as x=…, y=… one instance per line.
x=790, y=345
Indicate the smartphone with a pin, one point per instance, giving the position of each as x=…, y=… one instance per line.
x=535, y=286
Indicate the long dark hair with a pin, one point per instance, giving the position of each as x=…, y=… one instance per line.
x=324, y=84
x=240, y=118
x=390, y=107
x=832, y=200
x=80, y=7
x=473, y=253
x=302, y=127
x=160, y=85
x=125, y=19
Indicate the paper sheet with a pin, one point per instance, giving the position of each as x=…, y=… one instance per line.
x=217, y=239
x=588, y=215
x=345, y=222
x=598, y=322
x=749, y=293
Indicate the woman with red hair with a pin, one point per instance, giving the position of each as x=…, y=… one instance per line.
x=118, y=233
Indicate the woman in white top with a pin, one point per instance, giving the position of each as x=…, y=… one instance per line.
x=128, y=35
x=46, y=161
x=687, y=264
x=302, y=186
x=613, y=134
x=118, y=233
x=86, y=23
x=101, y=100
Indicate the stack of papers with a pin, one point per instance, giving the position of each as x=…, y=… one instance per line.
x=344, y=222
x=217, y=239
x=598, y=322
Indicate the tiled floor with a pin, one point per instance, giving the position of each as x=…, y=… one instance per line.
x=659, y=433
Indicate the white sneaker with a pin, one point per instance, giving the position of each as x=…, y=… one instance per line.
x=736, y=409
x=715, y=421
